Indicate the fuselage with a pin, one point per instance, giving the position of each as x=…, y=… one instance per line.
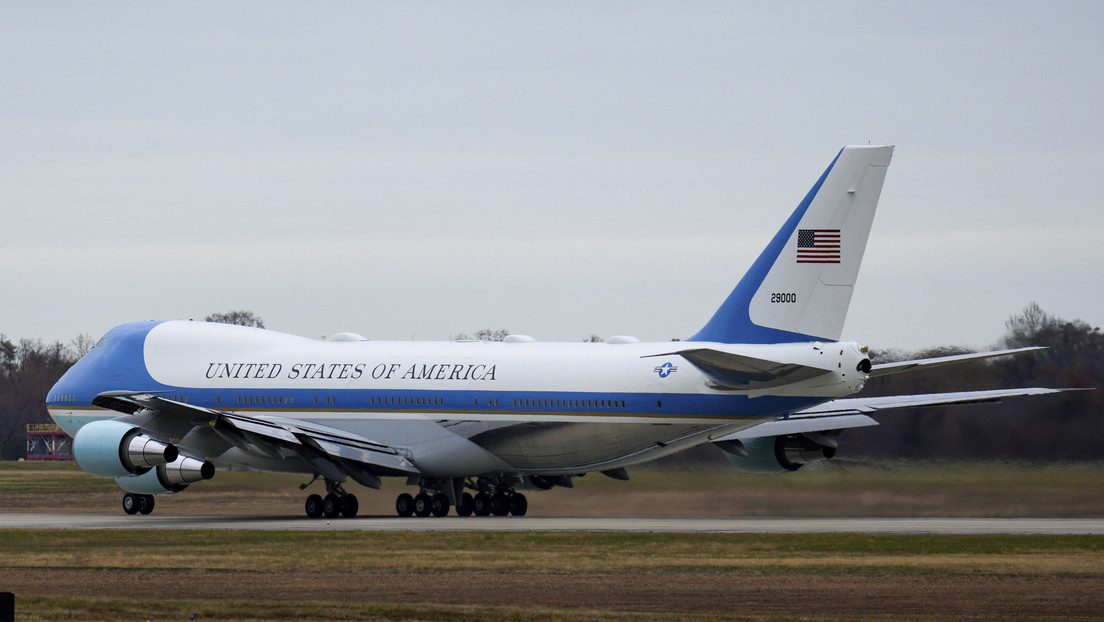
x=519, y=405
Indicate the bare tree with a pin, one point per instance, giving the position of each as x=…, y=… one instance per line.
x=1029, y=321
x=81, y=344
x=485, y=334
x=238, y=318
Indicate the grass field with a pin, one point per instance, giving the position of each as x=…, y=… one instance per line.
x=898, y=488
x=355, y=575
x=535, y=576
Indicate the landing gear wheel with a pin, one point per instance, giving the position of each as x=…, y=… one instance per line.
x=440, y=505
x=145, y=504
x=482, y=504
x=519, y=505
x=423, y=505
x=349, y=506
x=404, y=505
x=314, y=506
x=466, y=505
x=331, y=506
x=130, y=503
x=500, y=504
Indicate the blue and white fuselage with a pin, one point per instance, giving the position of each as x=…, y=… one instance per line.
x=644, y=398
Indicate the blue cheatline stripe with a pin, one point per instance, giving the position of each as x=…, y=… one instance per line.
x=732, y=321
x=455, y=404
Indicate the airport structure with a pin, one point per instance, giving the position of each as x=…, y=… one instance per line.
x=47, y=441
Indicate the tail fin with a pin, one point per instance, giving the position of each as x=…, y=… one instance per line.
x=800, y=286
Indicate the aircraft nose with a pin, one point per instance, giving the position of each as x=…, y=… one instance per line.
x=70, y=395
x=61, y=392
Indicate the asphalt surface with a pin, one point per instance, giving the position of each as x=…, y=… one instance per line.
x=589, y=523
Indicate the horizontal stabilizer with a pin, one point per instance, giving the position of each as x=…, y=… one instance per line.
x=885, y=369
x=741, y=372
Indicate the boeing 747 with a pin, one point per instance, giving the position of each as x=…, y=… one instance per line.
x=470, y=425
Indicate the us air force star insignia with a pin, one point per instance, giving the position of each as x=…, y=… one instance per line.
x=666, y=369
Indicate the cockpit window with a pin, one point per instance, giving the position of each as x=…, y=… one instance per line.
x=99, y=344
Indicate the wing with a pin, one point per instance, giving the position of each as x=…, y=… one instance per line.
x=334, y=453
x=855, y=412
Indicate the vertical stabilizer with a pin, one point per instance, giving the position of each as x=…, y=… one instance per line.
x=800, y=286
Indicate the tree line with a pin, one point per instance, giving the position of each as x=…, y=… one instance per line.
x=1067, y=426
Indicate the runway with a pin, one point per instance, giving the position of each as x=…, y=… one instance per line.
x=666, y=524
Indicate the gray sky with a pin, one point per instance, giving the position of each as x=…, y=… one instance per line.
x=558, y=169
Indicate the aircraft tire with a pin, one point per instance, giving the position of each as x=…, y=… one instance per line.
x=440, y=505
x=519, y=505
x=482, y=504
x=314, y=506
x=500, y=504
x=145, y=504
x=331, y=506
x=130, y=503
x=349, y=506
x=423, y=505
x=404, y=505
x=466, y=505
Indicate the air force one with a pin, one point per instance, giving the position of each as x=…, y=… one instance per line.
x=160, y=405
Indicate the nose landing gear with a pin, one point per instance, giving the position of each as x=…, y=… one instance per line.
x=134, y=503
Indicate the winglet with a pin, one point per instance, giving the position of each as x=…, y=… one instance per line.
x=800, y=287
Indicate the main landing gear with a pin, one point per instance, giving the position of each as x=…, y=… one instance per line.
x=134, y=503
x=493, y=497
x=336, y=503
x=424, y=504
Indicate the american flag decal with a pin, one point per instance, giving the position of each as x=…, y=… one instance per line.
x=818, y=246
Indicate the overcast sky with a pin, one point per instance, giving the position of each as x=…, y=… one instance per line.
x=417, y=170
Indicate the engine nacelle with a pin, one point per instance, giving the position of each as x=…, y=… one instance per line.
x=544, y=482
x=172, y=477
x=116, y=449
x=779, y=454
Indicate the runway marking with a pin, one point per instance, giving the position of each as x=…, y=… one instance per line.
x=666, y=524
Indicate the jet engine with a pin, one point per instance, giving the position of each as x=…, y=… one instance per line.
x=116, y=449
x=172, y=477
x=545, y=482
x=781, y=454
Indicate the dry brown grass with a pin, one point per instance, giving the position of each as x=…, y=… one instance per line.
x=353, y=575
x=568, y=576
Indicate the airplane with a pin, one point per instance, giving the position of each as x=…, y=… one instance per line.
x=159, y=405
